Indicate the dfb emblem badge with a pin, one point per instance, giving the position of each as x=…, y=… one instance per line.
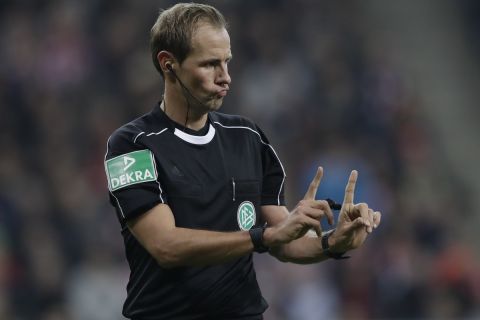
x=246, y=216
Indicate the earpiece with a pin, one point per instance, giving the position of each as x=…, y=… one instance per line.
x=168, y=65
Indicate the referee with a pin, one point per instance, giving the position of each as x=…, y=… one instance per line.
x=197, y=191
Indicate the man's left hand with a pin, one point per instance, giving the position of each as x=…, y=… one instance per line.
x=355, y=222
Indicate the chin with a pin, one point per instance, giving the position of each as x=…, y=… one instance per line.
x=214, y=105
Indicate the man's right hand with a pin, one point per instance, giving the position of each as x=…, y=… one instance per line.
x=305, y=216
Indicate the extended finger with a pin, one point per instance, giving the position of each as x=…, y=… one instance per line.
x=350, y=188
x=313, y=187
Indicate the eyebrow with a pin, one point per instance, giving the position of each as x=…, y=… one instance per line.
x=216, y=60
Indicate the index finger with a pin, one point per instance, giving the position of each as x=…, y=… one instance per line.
x=350, y=188
x=312, y=189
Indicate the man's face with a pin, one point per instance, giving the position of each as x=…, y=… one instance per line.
x=205, y=70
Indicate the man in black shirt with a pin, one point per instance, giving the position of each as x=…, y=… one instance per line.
x=197, y=192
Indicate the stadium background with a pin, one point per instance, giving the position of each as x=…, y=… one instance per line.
x=387, y=87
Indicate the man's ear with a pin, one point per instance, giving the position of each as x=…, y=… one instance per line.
x=166, y=60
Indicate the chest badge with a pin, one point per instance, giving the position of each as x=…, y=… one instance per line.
x=246, y=216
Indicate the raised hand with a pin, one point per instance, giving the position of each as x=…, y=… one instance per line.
x=305, y=216
x=309, y=196
x=355, y=222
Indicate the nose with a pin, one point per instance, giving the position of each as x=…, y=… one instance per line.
x=223, y=77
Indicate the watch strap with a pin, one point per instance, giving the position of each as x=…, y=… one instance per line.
x=256, y=234
x=326, y=247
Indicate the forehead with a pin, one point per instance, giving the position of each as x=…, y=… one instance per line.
x=209, y=41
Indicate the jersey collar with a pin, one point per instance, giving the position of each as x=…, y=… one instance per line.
x=183, y=133
x=196, y=139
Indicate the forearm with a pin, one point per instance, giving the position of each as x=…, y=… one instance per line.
x=284, y=227
x=173, y=246
x=182, y=247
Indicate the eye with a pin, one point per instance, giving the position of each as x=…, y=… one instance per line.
x=208, y=64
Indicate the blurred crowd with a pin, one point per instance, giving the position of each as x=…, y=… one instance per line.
x=310, y=75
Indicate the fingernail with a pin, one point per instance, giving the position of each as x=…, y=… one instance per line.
x=375, y=225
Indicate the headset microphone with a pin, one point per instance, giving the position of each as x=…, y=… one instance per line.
x=170, y=68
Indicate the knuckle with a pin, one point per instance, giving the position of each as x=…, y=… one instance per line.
x=323, y=203
x=361, y=206
x=317, y=214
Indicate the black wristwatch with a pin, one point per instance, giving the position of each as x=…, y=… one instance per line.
x=326, y=247
x=256, y=234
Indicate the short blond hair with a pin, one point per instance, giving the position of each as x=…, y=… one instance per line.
x=174, y=28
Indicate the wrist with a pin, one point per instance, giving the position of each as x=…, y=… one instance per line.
x=257, y=237
x=269, y=237
x=328, y=246
x=331, y=241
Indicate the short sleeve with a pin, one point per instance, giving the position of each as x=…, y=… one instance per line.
x=273, y=183
x=131, y=175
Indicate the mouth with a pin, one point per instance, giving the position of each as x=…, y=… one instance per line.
x=222, y=93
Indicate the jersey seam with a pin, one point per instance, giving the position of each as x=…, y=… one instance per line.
x=139, y=134
x=108, y=181
x=152, y=157
x=156, y=172
x=156, y=133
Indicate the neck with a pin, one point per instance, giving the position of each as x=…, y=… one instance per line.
x=176, y=108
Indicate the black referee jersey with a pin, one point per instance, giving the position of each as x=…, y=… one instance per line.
x=213, y=179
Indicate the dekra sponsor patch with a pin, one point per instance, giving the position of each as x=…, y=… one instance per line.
x=130, y=168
